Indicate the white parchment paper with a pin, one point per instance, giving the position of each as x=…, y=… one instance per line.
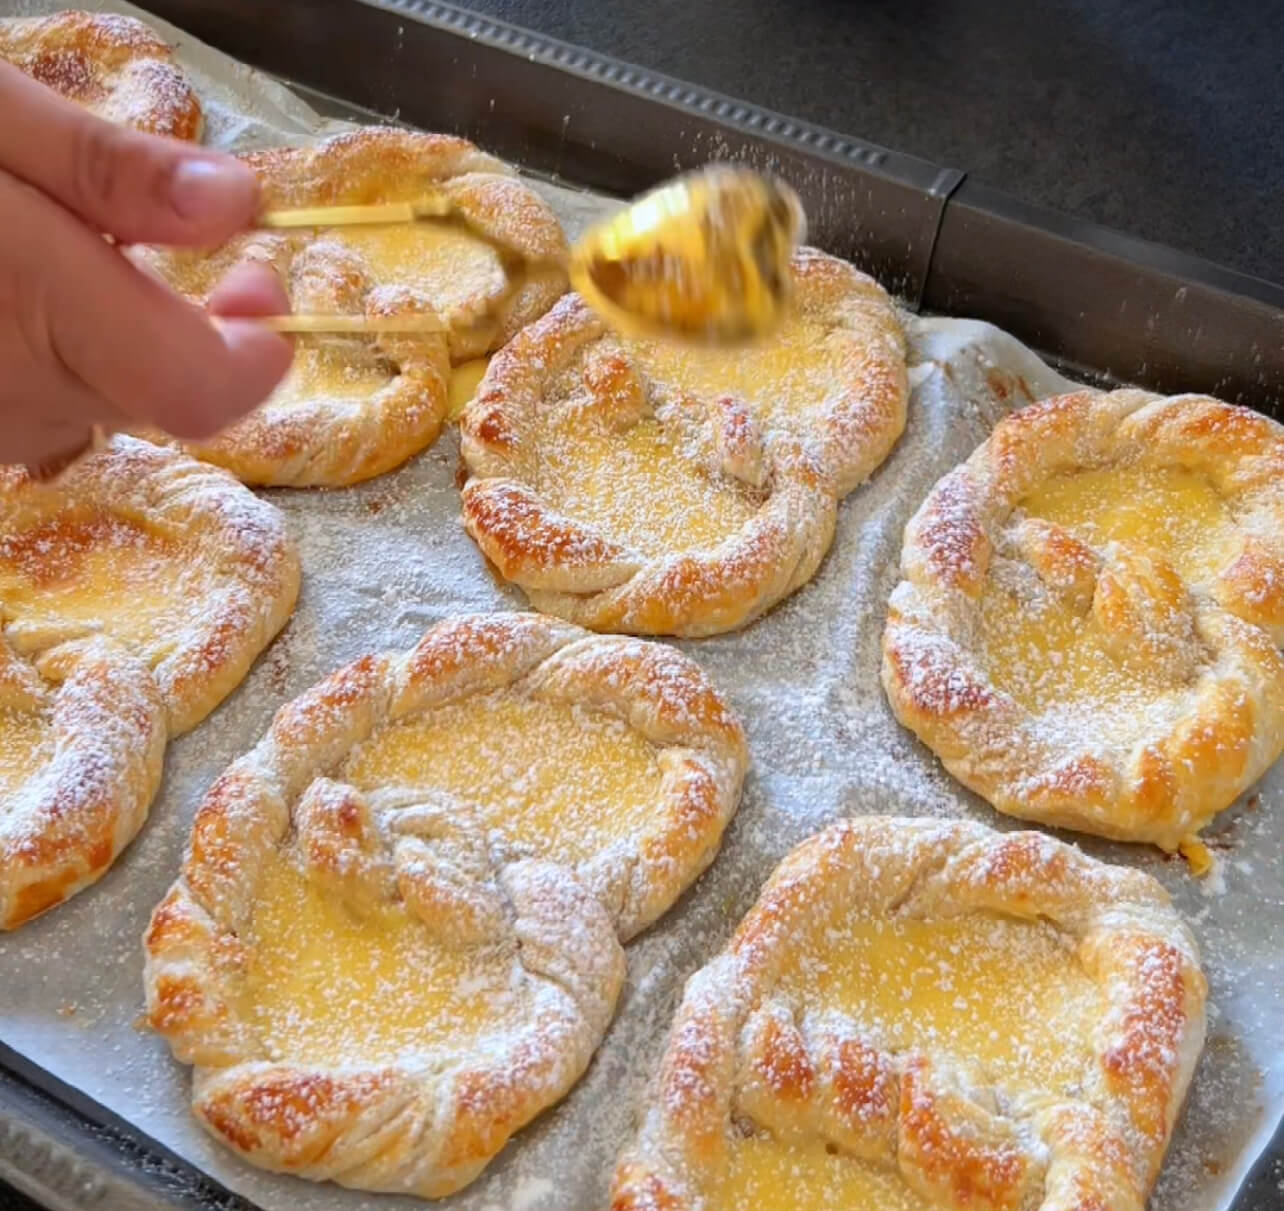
x=385, y=560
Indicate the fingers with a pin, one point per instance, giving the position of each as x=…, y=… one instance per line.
x=249, y=289
x=150, y=355
x=138, y=188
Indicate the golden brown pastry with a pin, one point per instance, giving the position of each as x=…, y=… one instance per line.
x=174, y=561
x=928, y=1016
x=394, y=940
x=1087, y=629
x=135, y=592
x=356, y=406
x=659, y=488
x=82, y=737
x=115, y=66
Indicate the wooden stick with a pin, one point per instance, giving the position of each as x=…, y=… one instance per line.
x=344, y=216
x=353, y=323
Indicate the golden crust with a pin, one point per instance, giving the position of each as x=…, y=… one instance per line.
x=791, y=472
x=391, y=1126
x=225, y=572
x=318, y=434
x=104, y=724
x=1212, y=643
x=115, y=66
x=735, y=1053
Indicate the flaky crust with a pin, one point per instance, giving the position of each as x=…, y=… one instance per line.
x=1181, y=773
x=214, y=523
x=569, y=568
x=115, y=66
x=64, y=826
x=319, y=440
x=401, y=1127
x=737, y=1051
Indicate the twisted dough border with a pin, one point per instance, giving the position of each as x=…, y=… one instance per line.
x=62, y=828
x=570, y=569
x=214, y=519
x=317, y=442
x=115, y=66
x=396, y=1126
x=1174, y=780
x=738, y=1050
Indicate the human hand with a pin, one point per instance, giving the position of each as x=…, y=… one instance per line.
x=86, y=336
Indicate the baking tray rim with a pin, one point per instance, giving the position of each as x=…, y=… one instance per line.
x=62, y=1147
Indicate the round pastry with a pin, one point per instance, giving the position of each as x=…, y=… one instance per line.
x=353, y=407
x=115, y=66
x=1087, y=629
x=660, y=488
x=174, y=561
x=395, y=936
x=82, y=738
x=923, y=1015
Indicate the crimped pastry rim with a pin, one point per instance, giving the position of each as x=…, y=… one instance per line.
x=114, y=45
x=215, y=518
x=1151, y=1036
x=569, y=569
x=1173, y=780
x=191, y=995
x=63, y=827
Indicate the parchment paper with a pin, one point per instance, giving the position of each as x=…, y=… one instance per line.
x=385, y=560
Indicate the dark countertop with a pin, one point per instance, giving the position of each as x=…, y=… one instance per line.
x=1164, y=120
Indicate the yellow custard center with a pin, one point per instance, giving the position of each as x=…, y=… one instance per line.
x=338, y=371
x=790, y=372
x=1047, y=657
x=1168, y=510
x=1007, y=998
x=637, y=488
x=26, y=744
x=556, y=780
x=455, y=270
x=323, y=986
x=99, y=573
x=464, y=381
x=763, y=1174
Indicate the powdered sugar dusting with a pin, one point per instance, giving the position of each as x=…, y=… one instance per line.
x=385, y=560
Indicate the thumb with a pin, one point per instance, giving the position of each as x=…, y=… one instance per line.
x=138, y=188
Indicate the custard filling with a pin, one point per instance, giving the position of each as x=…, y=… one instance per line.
x=26, y=744
x=763, y=1174
x=637, y=488
x=91, y=573
x=457, y=271
x=556, y=780
x=1006, y=998
x=787, y=374
x=325, y=987
x=1170, y=511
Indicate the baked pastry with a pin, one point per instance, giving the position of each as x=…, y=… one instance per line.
x=1087, y=629
x=659, y=488
x=174, y=561
x=921, y=1014
x=114, y=66
x=395, y=935
x=356, y=406
x=82, y=737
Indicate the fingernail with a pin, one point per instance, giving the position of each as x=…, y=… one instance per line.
x=205, y=189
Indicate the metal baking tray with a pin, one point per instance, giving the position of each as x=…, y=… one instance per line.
x=1107, y=306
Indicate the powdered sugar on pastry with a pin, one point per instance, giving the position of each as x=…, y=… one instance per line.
x=1087, y=629
x=355, y=407
x=921, y=1014
x=113, y=65
x=403, y=904
x=662, y=489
